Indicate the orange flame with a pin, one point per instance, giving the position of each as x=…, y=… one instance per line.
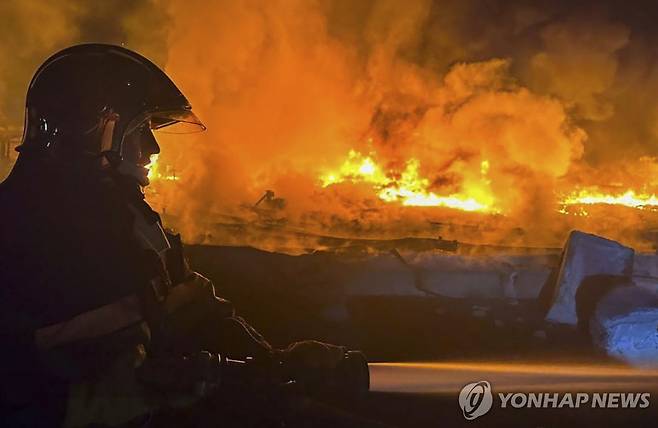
x=410, y=189
x=630, y=199
x=155, y=172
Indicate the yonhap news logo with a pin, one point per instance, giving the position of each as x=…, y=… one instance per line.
x=476, y=399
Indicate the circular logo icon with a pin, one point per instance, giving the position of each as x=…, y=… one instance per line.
x=475, y=399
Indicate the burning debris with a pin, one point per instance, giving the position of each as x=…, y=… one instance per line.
x=410, y=189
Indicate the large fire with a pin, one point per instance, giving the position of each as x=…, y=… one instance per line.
x=409, y=188
x=388, y=119
x=370, y=125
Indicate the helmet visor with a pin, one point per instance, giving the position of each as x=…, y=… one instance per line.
x=176, y=122
x=181, y=121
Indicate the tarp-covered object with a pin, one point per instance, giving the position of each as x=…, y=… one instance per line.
x=625, y=325
x=585, y=255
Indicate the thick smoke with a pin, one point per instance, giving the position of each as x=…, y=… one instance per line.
x=32, y=30
x=551, y=96
x=288, y=88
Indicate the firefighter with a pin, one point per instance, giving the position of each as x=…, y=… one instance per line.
x=92, y=288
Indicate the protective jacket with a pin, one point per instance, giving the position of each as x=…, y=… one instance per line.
x=90, y=286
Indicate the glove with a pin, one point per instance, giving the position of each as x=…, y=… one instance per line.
x=313, y=354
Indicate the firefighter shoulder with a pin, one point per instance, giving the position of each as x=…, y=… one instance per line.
x=95, y=296
x=81, y=297
x=142, y=329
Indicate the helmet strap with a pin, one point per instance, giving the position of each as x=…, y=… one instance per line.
x=105, y=130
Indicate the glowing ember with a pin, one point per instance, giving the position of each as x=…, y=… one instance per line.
x=409, y=188
x=629, y=199
x=579, y=212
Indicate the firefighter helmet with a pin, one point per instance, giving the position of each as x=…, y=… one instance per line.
x=85, y=99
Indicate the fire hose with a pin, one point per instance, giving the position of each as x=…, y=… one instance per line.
x=205, y=372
